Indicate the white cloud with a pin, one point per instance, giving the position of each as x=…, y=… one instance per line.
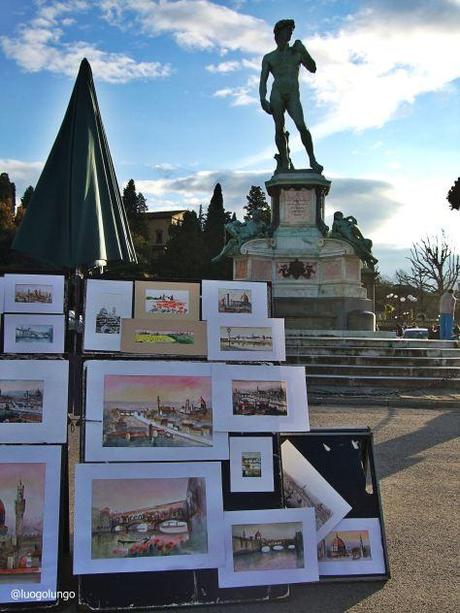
x=194, y=24
x=240, y=96
x=18, y=169
x=38, y=46
x=224, y=67
x=381, y=60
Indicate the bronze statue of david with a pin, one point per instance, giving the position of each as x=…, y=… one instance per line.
x=284, y=63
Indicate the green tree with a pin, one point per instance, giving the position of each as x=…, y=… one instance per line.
x=214, y=235
x=27, y=197
x=22, y=208
x=256, y=201
x=453, y=197
x=7, y=230
x=185, y=255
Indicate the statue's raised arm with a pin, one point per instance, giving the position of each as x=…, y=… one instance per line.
x=283, y=64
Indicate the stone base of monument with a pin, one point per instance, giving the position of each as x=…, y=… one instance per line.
x=316, y=280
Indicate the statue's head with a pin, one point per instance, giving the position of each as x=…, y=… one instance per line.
x=283, y=30
x=338, y=215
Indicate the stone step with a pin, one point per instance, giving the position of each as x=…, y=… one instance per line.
x=374, y=360
x=305, y=341
x=437, y=372
x=402, y=352
x=316, y=381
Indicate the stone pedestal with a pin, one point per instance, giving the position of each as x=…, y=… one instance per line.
x=316, y=280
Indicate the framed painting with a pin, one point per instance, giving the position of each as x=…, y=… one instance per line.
x=163, y=300
x=34, y=293
x=269, y=547
x=260, y=398
x=151, y=410
x=244, y=298
x=29, y=522
x=33, y=401
x=147, y=517
x=303, y=486
x=2, y=294
x=181, y=338
x=256, y=340
x=251, y=464
x=25, y=333
x=107, y=302
x=354, y=547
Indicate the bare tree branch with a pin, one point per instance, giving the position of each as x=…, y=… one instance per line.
x=434, y=265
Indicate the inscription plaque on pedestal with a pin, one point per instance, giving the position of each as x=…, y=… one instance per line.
x=297, y=207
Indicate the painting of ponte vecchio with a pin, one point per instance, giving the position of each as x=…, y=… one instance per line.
x=167, y=516
x=152, y=410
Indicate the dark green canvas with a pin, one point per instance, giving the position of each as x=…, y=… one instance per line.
x=76, y=216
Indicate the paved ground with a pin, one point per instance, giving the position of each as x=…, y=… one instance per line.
x=436, y=396
x=417, y=463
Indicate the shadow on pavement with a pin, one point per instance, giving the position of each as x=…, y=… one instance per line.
x=400, y=453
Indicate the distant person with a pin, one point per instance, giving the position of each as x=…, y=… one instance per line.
x=433, y=332
x=446, y=314
x=399, y=330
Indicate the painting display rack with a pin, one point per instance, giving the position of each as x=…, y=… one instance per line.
x=345, y=458
x=350, y=468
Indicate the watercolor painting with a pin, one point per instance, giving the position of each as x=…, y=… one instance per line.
x=148, y=517
x=33, y=293
x=22, y=487
x=158, y=301
x=245, y=338
x=34, y=334
x=162, y=337
x=346, y=545
x=259, y=397
x=157, y=411
x=108, y=321
x=21, y=401
x=296, y=495
x=234, y=300
x=271, y=546
x=251, y=464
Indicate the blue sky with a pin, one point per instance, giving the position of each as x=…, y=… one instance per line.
x=177, y=83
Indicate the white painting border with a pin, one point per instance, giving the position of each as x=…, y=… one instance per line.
x=10, y=321
x=84, y=476
x=55, y=376
x=97, y=293
x=51, y=456
x=304, y=474
x=297, y=418
x=94, y=449
x=57, y=283
x=228, y=577
x=262, y=444
x=210, y=299
x=277, y=353
x=374, y=566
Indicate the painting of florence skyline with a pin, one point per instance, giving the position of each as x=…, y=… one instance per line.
x=157, y=411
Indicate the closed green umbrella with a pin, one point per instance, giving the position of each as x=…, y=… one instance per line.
x=76, y=217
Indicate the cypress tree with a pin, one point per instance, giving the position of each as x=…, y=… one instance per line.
x=214, y=235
